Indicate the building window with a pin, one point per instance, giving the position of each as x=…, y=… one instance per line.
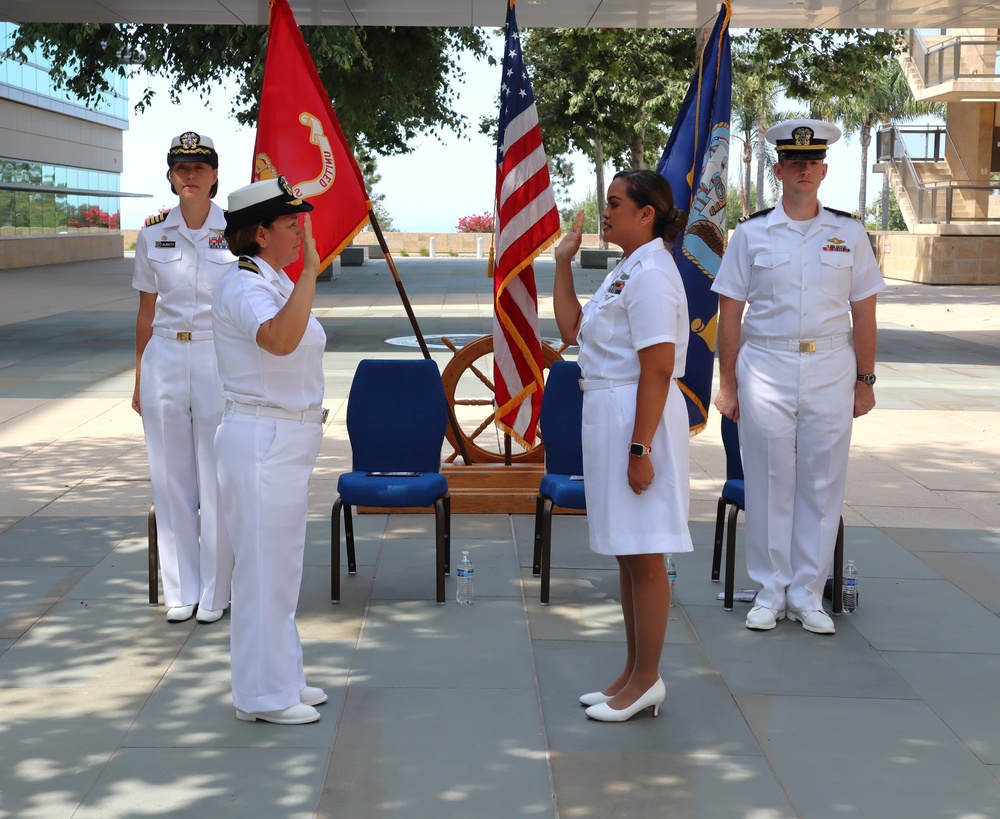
x=37, y=199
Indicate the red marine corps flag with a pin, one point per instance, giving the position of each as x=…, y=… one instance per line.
x=527, y=223
x=298, y=137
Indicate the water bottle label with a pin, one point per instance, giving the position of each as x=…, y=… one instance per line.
x=851, y=581
x=466, y=572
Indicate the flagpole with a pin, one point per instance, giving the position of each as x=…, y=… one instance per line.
x=452, y=420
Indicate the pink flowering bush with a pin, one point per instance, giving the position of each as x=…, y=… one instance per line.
x=482, y=223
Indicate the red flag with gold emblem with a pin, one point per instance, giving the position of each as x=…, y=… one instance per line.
x=298, y=137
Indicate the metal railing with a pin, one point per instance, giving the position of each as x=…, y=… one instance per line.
x=948, y=201
x=949, y=58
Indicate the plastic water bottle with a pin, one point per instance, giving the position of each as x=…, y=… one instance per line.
x=465, y=591
x=850, y=587
x=671, y=576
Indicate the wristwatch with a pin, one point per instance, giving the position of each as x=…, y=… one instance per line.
x=638, y=449
x=867, y=378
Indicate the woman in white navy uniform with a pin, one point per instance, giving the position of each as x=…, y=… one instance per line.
x=270, y=350
x=180, y=257
x=633, y=338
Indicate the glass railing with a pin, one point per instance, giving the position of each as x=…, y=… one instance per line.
x=942, y=58
x=945, y=201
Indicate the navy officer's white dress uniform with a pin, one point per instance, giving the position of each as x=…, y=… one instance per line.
x=640, y=303
x=267, y=446
x=796, y=375
x=179, y=393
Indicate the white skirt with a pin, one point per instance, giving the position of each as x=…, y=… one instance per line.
x=621, y=522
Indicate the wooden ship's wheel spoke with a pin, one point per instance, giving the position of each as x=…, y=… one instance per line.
x=468, y=384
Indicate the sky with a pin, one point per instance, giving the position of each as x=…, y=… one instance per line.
x=427, y=190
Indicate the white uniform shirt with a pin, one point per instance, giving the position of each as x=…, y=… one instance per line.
x=184, y=274
x=640, y=303
x=250, y=374
x=798, y=286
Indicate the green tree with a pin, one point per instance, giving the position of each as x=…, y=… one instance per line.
x=591, y=214
x=883, y=97
x=372, y=178
x=815, y=65
x=609, y=93
x=893, y=220
x=387, y=84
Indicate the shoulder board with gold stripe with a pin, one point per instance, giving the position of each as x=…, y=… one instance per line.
x=155, y=220
x=758, y=213
x=246, y=263
x=843, y=213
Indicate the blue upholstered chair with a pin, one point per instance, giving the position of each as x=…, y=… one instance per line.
x=396, y=418
x=733, y=497
x=561, y=425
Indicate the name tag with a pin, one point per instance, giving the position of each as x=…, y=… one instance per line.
x=166, y=244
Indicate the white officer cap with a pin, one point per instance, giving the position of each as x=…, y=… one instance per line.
x=802, y=138
x=263, y=200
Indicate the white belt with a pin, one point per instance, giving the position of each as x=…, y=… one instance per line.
x=801, y=345
x=183, y=335
x=602, y=384
x=259, y=410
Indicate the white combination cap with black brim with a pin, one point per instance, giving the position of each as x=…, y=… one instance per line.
x=261, y=201
x=802, y=138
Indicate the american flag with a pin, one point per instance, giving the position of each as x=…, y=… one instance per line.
x=527, y=223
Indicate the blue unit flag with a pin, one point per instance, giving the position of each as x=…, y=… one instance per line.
x=695, y=163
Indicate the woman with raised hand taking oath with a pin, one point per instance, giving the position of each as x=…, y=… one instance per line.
x=633, y=343
x=270, y=350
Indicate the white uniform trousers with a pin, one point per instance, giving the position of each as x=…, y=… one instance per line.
x=180, y=395
x=264, y=470
x=796, y=416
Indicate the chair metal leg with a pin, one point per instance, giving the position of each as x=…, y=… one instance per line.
x=447, y=533
x=546, y=547
x=536, y=559
x=730, y=556
x=335, y=551
x=441, y=538
x=720, y=523
x=153, y=552
x=838, y=570
x=352, y=560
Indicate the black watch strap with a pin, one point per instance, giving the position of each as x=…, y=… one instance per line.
x=867, y=378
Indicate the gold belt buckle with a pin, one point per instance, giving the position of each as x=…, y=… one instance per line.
x=184, y=336
x=807, y=346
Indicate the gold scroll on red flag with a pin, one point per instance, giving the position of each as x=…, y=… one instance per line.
x=298, y=137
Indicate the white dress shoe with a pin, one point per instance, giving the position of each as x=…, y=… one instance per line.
x=762, y=618
x=594, y=698
x=312, y=696
x=817, y=621
x=178, y=614
x=651, y=699
x=209, y=615
x=293, y=715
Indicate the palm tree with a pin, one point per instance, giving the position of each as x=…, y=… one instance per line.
x=882, y=97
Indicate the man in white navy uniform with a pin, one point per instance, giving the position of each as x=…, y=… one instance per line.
x=807, y=278
x=180, y=257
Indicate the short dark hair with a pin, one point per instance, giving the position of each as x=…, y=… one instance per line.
x=645, y=187
x=243, y=240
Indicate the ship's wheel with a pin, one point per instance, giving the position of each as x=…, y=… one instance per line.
x=468, y=386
